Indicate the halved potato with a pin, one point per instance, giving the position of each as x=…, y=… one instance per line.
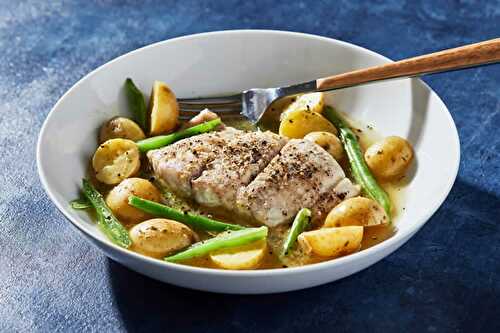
x=117, y=199
x=299, y=123
x=115, y=160
x=328, y=142
x=314, y=102
x=120, y=127
x=160, y=237
x=356, y=211
x=242, y=257
x=332, y=242
x=163, y=109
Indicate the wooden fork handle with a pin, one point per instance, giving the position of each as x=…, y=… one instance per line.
x=461, y=57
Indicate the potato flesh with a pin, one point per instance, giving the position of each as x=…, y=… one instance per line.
x=116, y=160
x=120, y=127
x=332, y=242
x=159, y=237
x=117, y=199
x=298, y=123
x=356, y=211
x=314, y=102
x=389, y=158
x=243, y=257
x=328, y=142
x=163, y=109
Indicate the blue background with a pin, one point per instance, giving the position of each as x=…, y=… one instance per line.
x=446, y=278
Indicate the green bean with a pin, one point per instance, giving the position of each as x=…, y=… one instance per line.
x=359, y=169
x=106, y=221
x=80, y=203
x=299, y=224
x=192, y=220
x=136, y=103
x=159, y=141
x=221, y=241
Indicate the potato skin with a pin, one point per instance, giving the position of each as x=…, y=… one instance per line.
x=389, y=158
x=117, y=199
x=116, y=160
x=120, y=127
x=356, y=211
x=328, y=142
x=331, y=242
x=163, y=109
x=297, y=124
x=159, y=237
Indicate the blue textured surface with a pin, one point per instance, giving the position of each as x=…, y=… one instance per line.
x=447, y=278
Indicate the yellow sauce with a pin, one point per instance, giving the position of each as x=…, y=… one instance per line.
x=372, y=235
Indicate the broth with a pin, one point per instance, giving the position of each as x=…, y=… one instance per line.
x=371, y=236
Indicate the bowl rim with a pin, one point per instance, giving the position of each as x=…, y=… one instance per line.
x=393, y=242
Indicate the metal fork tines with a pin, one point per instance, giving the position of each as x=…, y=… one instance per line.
x=223, y=106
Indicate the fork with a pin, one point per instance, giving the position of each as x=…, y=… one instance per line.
x=256, y=104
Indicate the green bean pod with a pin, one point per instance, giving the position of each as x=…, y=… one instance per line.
x=195, y=221
x=159, y=141
x=221, y=241
x=359, y=168
x=299, y=224
x=136, y=102
x=106, y=221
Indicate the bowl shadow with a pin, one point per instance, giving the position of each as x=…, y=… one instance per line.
x=146, y=304
x=357, y=302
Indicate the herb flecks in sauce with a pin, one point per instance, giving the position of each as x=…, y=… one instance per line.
x=295, y=257
x=372, y=235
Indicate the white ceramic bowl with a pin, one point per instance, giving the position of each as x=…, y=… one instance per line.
x=229, y=61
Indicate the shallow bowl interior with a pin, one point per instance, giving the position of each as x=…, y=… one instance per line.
x=225, y=62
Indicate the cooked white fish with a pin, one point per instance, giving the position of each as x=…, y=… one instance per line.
x=302, y=175
x=177, y=164
x=239, y=161
x=255, y=174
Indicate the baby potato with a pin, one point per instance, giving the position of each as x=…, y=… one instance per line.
x=328, y=142
x=308, y=102
x=299, y=123
x=117, y=199
x=115, y=160
x=356, y=211
x=390, y=157
x=120, y=127
x=331, y=242
x=242, y=257
x=160, y=237
x=163, y=109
